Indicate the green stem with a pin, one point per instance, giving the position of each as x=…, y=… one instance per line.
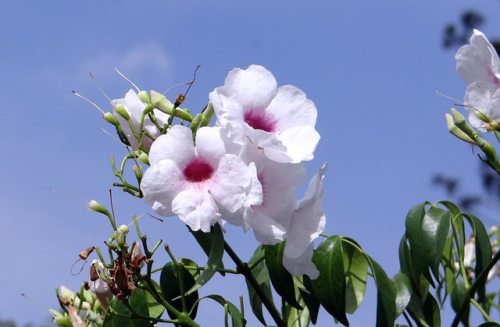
x=243, y=269
x=478, y=307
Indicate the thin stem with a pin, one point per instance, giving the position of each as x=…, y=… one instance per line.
x=478, y=307
x=245, y=271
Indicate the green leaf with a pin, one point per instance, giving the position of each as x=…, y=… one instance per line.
x=309, y=298
x=432, y=312
x=448, y=263
x=490, y=324
x=296, y=317
x=171, y=279
x=214, y=259
x=403, y=292
x=356, y=272
x=191, y=266
x=483, y=252
x=457, y=296
x=330, y=287
x=261, y=275
x=438, y=223
x=205, y=240
x=418, y=244
x=236, y=317
x=155, y=309
x=138, y=302
x=404, y=257
x=425, y=314
x=386, y=296
x=281, y=279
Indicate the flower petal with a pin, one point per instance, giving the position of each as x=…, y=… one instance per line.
x=303, y=264
x=196, y=208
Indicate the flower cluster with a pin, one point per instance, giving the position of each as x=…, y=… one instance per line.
x=243, y=171
x=478, y=65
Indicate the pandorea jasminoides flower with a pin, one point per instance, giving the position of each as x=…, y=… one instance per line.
x=193, y=181
x=134, y=106
x=479, y=66
x=270, y=218
x=280, y=216
x=98, y=285
x=279, y=120
x=308, y=221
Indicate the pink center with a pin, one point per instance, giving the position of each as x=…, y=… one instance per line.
x=259, y=119
x=198, y=171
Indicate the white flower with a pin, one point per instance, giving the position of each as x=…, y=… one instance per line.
x=98, y=285
x=279, y=120
x=193, y=181
x=479, y=66
x=135, y=108
x=270, y=219
x=280, y=216
x=308, y=221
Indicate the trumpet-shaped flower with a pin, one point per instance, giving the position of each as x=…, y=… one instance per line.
x=479, y=66
x=279, y=216
x=134, y=106
x=308, y=221
x=279, y=120
x=193, y=181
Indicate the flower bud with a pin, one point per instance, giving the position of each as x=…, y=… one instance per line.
x=59, y=318
x=120, y=109
x=459, y=121
x=138, y=172
x=120, y=235
x=456, y=131
x=144, y=158
x=110, y=118
x=97, y=207
x=207, y=114
x=144, y=96
x=163, y=104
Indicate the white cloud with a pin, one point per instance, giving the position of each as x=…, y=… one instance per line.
x=146, y=57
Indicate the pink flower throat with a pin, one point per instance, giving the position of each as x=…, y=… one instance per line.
x=259, y=119
x=198, y=170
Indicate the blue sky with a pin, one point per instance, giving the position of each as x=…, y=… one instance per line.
x=372, y=69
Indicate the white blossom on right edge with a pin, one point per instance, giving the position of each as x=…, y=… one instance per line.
x=278, y=120
x=308, y=221
x=479, y=66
